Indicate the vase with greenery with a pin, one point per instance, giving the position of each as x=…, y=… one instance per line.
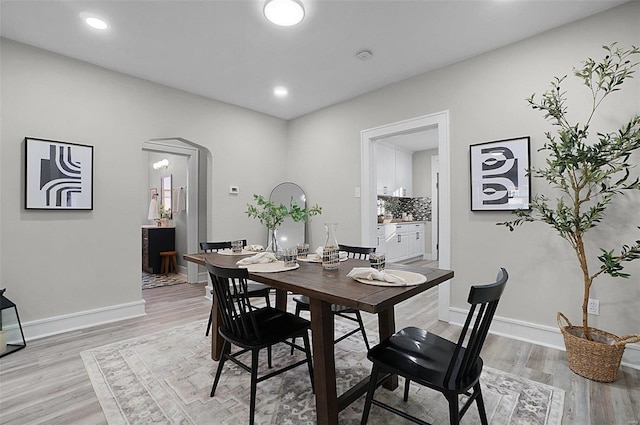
x=587, y=169
x=272, y=216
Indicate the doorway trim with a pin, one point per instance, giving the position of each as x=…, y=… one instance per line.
x=368, y=137
x=180, y=146
x=435, y=206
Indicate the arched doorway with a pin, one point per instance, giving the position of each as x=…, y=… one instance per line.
x=195, y=224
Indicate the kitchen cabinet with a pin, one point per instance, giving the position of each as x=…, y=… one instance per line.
x=385, y=169
x=404, y=173
x=394, y=171
x=415, y=236
x=401, y=241
x=397, y=244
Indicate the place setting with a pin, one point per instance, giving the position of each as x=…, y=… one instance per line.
x=316, y=256
x=238, y=248
x=377, y=275
x=267, y=262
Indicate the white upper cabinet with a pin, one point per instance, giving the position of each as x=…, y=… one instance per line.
x=385, y=169
x=404, y=173
x=394, y=171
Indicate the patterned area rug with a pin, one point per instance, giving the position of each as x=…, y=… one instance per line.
x=165, y=378
x=150, y=280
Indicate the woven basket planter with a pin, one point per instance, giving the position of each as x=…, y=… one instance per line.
x=595, y=360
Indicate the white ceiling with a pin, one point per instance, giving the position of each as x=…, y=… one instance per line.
x=227, y=51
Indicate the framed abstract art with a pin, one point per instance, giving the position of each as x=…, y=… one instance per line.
x=499, y=175
x=58, y=175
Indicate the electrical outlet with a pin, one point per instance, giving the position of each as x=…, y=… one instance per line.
x=593, y=307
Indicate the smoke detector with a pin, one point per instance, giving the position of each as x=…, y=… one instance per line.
x=364, y=55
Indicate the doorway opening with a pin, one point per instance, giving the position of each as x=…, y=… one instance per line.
x=440, y=123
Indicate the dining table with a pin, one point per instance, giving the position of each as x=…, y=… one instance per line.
x=324, y=288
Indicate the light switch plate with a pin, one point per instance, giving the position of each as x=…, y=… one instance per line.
x=357, y=192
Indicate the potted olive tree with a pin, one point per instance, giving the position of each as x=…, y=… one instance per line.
x=587, y=170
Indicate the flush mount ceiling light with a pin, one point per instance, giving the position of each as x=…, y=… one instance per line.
x=280, y=91
x=284, y=12
x=93, y=21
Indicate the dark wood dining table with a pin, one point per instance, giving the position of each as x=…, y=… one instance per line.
x=325, y=288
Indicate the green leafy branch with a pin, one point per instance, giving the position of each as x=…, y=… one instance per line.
x=272, y=215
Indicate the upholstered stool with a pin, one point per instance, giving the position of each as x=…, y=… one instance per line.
x=169, y=262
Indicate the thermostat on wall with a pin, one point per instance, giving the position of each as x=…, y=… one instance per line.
x=234, y=190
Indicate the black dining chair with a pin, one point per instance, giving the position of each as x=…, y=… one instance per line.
x=302, y=301
x=256, y=290
x=252, y=329
x=435, y=362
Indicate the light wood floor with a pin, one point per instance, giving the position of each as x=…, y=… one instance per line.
x=46, y=383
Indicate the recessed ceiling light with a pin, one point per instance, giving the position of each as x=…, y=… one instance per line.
x=93, y=21
x=284, y=12
x=280, y=91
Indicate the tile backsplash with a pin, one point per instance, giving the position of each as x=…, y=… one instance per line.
x=419, y=208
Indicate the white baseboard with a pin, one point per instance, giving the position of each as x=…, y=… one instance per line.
x=83, y=319
x=547, y=336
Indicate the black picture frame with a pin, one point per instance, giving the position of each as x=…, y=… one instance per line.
x=499, y=175
x=58, y=175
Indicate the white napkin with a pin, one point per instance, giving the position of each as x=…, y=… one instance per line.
x=369, y=273
x=255, y=248
x=341, y=255
x=261, y=258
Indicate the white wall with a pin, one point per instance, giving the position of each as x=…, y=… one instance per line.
x=486, y=96
x=78, y=267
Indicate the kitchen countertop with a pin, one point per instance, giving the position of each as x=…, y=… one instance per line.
x=399, y=220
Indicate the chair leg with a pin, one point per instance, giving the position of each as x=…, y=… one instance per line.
x=293, y=340
x=407, y=384
x=454, y=412
x=364, y=334
x=254, y=385
x=209, y=324
x=372, y=388
x=210, y=316
x=267, y=299
x=307, y=351
x=226, y=348
x=481, y=410
x=269, y=357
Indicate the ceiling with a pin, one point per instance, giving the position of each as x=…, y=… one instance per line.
x=227, y=51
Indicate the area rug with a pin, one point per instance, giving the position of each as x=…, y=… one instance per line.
x=165, y=378
x=150, y=280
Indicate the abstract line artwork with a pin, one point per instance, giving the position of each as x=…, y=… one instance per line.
x=59, y=175
x=499, y=179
